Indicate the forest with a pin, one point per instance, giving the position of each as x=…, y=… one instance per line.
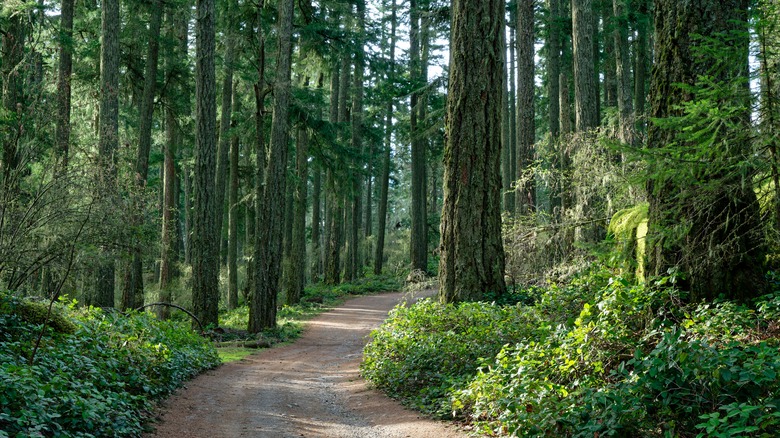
x=591, y=186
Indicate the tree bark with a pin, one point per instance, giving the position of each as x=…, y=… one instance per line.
x=585, y=91
x=419, y=235
x=384, y=184
x=108, y=141
x=177, y=32
x=223, y=153
x=625, y=93
x=295, y=268
x=63, y=83
x=233, y=210
x=133, y=293
x=333, y=234
x=721, y=248
x=263, y=308
x=205, y=235
x=472, y=257
x=641, y=49
x=526, y=127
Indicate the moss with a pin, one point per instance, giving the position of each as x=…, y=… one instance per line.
x=628, y=227
x=35, y=313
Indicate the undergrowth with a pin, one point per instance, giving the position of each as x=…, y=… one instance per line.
x=98, y=378
x=599, y=356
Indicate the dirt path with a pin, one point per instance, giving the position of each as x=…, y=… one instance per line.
x=307, y=389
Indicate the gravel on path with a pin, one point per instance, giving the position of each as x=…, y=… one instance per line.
x=311, y=388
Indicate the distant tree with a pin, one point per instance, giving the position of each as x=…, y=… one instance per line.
x=384, y=182
x=133, y=293
x=526, y=115
x=108, y=136
x=585, y=88
x=64, y=78
x=472, y=256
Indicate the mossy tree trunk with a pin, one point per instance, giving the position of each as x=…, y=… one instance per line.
x=707, y=224
x=472, y=256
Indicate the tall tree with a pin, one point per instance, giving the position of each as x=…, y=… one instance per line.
x=177, y=103
x=133, y=293
x=108, y=133
x=334, y=208
x=384, y=184
x=223, y=151
x=642, y=54
x=585, y=92
x=472, y=257
x=526, y=127
x=625, y=94
x=707, y=222
x=63, y=82
x=419, y=234
x=205, y=235
x=233, y=207
x=263, y=308
x=13, y=44
x=357, y=141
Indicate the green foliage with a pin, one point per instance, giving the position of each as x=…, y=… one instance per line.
x=599, y=356
x=628, y=227
x=424, y=350
x=98, y=380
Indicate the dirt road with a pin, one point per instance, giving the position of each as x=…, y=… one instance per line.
x=307, y=389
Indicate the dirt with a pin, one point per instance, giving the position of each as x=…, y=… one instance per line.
x=311, y=388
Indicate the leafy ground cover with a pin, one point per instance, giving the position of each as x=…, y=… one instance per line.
x=94, y=373
x=597, y=357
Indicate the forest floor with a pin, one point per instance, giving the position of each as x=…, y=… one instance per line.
x=310, y=388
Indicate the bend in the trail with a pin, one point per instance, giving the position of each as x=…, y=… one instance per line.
x=310, y=388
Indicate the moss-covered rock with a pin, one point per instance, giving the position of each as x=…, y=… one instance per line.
x=35, y=312
x=628, y=228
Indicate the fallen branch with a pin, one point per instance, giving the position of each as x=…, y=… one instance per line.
x=176, y=307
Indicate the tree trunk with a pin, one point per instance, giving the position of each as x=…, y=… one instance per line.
x=108, y=135
x=585, y=92
x=384, y=184
x=316, y=225
x=63, y=83
x=333, y=236
x=472, y=257
x=233, y=211
x=625, y=93
x=721, y=248
x=611, y=56
x=419, y=234
x=526, y=128
x=256, y=300
x=263, y=308
x=641, y=49
x=357, y=143
x=295, y=267
x=205, y=235
x=133, y=294
x=223, y=160
x=177, y=31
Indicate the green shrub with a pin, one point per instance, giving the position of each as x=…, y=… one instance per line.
x=425, y=350
x=97, y=381
x=637, y=362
